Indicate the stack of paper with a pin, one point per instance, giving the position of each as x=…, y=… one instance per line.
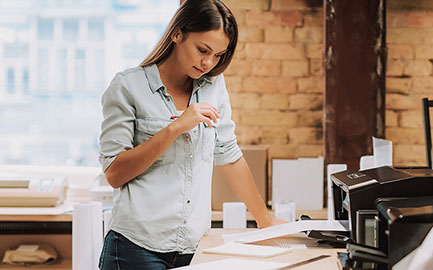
x=239, y=249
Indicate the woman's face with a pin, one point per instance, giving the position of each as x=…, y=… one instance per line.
x=200, y=52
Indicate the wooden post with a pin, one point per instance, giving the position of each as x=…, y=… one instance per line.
x=355, y=64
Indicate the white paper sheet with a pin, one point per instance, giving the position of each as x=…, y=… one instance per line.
x=300, y=181
x=60, y=209
x=382, y=150
x=420, y=258
x=239, y=249
x=238, y=264
x=285, y=229
x=331, y=169
x=86, y=235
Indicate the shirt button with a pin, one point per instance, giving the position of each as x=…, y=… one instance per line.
x=190, y=178
x=168, y=99
x=188, y=201
x=191, y=156
x=187, y=136
x=195, y=131
x=184, y=222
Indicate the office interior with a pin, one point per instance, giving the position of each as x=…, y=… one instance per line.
x=311, y=83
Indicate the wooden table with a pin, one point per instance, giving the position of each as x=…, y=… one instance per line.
x=213, y=239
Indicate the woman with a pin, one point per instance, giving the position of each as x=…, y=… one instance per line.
x=165, y=124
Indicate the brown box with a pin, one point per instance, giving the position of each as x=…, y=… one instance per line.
x=257, y=159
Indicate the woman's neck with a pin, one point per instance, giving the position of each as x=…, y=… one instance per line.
x=172, y=77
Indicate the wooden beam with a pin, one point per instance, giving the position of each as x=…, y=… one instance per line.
x=355, y=64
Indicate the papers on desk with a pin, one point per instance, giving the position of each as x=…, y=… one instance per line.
x=239, y=249
x=236, y=264
x=420, y=258
x=285, y=229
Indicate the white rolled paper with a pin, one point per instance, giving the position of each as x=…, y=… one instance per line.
x=286, y=211
x=332, y=168
x=86, y=235
x=366, y=162
x=234, y=215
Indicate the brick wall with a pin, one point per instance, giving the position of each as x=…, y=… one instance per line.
x=276, y=78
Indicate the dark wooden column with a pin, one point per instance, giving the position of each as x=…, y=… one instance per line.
x=355, y=64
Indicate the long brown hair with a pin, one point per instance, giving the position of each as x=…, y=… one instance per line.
x=198, y=16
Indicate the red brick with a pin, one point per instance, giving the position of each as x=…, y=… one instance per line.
x=391, y=118
x=248, y=4
x=409, y=155
x=269, y=84
x=278, y=34
x=266, y=68
x=418, y=68
x=245, y=100
x=423, y=85
x=315, y=51
x=295, y=68
x=269, y=118
x=399, y=84
x=283, y=151
x=309, y=34
x=254, y=18
x=310, y=151
x=306, y=101
x=286, y=5
x=412, y=119
x=407, y=35
x=251, y=34
x=275, y=135
x=310, y=118
x=239, y=68
x=233, y=83
x=275, y=101
x=405, y=135
x=416, y=18
x=305, y=135
x=311, y=85
x=401, y=102
x=395, y=67
x=316, y=68
x=424, y=51
x=275, y=51
x=399, y=51
x=248, y=135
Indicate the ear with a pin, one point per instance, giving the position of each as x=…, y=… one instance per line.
x=177, y=36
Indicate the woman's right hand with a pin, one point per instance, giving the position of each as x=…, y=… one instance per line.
x=195, y=114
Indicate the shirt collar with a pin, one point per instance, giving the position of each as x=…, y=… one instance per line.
x=155, y=83
x=153, y=78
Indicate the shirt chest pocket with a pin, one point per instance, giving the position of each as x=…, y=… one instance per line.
x=208, y=143
x=146, y=129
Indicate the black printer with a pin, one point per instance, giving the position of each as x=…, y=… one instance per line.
x=355, y=192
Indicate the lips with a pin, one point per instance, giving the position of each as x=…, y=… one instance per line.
x=199, y=70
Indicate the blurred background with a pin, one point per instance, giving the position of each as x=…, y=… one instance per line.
x=56, y=60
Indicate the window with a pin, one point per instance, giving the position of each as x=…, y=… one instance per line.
x=56, y=62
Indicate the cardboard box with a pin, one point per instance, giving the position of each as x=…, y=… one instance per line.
x=257, y=159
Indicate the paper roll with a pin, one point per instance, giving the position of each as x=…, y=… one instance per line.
x=234, y=215
x=86, y=235
x=366, y=162
x=286, y=211
x=331, y=169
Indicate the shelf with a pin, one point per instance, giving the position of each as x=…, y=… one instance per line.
x=62, y=264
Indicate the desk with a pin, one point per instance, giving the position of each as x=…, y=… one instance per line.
x=213, y=239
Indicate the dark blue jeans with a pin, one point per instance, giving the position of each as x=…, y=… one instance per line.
x=119, y=253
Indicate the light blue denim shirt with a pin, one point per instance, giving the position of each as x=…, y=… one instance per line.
x=167, y=207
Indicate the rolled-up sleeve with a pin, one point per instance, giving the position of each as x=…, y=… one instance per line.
x=117, y=128
x=226, y=146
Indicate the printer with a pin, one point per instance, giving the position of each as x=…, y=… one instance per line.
x=17, y=191
x=355, y=194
